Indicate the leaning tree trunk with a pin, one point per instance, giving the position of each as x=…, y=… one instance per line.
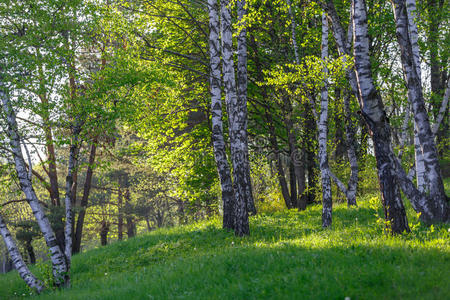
x=373, y=112
x=437, y=61
x=18, y=261
x=323, y=132
x=433, y=205
x=343, y=42
x=237, y=120
x=218, y=141
x=242, y=97
x=60, y=270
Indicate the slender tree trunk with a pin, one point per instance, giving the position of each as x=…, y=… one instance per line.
x=443, y=110
x=147, y=221
x=327, y=202
x=436, y=209
x=18, y=261
x=294, y=161
x=296, y=155
x=56, y=254
x=375, y=117
x=293, y=35
x=413, y=35
x=120, y=217
x=310, y=153
x=104, y=230
x=343, y=42
x=293, y=184
x=68, y=201
x=130, y=222
x=84, y=201
x=30, y=251
x=242, y=82
x=220, y=155
x=51, y=157
x=419, y=162
x=49, y=143
x=439, y=73
x=237, y=120
x=352, y=185
x=272, y=133
x=277, y=153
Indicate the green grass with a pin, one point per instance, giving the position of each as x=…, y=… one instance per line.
x=288, y=256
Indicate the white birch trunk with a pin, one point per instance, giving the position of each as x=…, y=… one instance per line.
x=56, y=253
x=434, y=187
x=237, y=119
x=443, y=109
x=220, y=154
x=327, y=202
x=413, y=35
x=344, y=41
x=242, y=82
x=294, y=36
x=343, y=44
x=373, y=112
x=352, y=185
x=419, y=162
x=18, y=261
x=68, y=198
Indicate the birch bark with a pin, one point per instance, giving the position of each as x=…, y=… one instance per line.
x=68, y=201
x=242, y=97
x=437, y=208
x=237, y=120
x=352, y=185
x=18, y=261
x=375, y=117
x=323, y=133
x=413, y=35
x=218, y=141
x=57, y=257
x=344, y=41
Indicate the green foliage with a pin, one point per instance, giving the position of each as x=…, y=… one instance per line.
x=288, y=256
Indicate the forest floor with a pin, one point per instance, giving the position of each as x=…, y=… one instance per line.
x=287, y=256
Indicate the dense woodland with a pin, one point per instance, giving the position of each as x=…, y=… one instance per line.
x=122, y=116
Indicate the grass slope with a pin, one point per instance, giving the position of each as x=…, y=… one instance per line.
x=288, y=256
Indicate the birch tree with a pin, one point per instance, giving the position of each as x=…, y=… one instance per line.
x=372, y=110
x=432, y=202
x=17, y=259
x=323, y=132
x=237, y=120
x=57, y=256
x=218, y=141
x=242, y=96
x=344, y=42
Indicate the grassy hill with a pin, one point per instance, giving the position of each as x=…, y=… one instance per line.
x=288, y=256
